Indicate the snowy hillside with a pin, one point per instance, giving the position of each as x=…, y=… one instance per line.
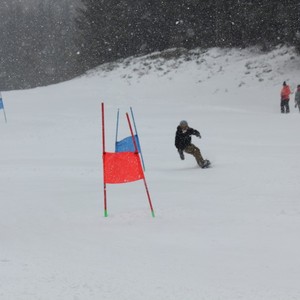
x=228, y=232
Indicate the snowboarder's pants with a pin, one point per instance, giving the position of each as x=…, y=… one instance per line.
x=284, y=105
x=192, y=149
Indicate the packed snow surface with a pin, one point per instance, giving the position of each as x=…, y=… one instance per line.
x=228, y=232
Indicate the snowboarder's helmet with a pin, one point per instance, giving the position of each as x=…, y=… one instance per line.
x=183, y=123
x=284, y=83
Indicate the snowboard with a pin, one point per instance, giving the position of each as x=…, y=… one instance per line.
x=206, y=164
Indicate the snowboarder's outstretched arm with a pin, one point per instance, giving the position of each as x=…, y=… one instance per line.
x=197, y=133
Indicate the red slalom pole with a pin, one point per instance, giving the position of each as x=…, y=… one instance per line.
x=103, y=153
x=144, y=179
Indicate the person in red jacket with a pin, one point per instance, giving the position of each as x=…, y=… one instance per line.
x=285, y=98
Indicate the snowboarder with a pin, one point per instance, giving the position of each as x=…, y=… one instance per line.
x=285, y=98
x=183, y=143
x=297, y=97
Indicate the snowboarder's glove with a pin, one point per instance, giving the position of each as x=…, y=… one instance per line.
x=197, y=134
x=181, y=154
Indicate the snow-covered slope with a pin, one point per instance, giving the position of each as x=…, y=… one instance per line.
x=228, y=232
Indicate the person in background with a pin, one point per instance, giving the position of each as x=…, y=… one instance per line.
x=183, y=143
x=297, y=97
x=285, y=98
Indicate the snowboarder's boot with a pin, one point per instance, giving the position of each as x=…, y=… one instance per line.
x=204, y=164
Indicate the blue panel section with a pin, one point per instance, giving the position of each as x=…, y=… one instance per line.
x=1, y=104
x=127, y=145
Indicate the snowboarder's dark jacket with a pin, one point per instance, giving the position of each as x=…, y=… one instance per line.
x=183, y=139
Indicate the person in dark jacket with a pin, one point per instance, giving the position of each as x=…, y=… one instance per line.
x=183, y=143
x=297, y=97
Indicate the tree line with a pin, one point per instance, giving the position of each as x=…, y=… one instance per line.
x=37, y=43
x=54, y=41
